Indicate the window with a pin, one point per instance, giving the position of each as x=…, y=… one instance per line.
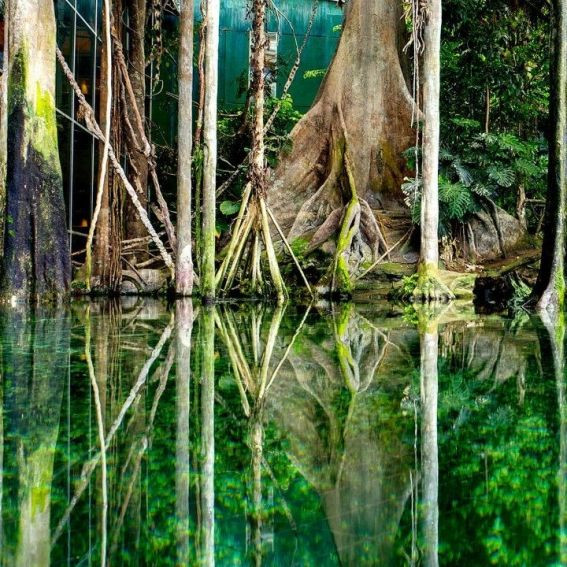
x=77, y=22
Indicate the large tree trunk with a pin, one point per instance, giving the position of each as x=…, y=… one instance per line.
x=36, y=259
x=550, y=287
x=347, y=150
x=208, y=285
x=184, y=264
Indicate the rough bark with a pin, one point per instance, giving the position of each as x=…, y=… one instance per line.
x=549, y=291
x=208, y=284
x=347, y=150
x=184, y=264
x=133, y=226
x=36, y=261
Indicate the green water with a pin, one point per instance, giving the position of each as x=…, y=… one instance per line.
x=248, y=435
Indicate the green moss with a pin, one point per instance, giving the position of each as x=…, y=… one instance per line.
x=300, y=246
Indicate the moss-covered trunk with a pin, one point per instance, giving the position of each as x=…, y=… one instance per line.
x=36, y=260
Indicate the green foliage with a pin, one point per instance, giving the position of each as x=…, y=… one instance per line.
x=229, y=208
x=478, y=166
x=235, y=142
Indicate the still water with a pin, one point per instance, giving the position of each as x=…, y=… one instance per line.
x=250, y=435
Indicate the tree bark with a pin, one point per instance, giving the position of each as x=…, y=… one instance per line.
x=431, y=89
x=36, y=261
x=210, y=151
x=362, y=121
x=549, y=291
x=107, y=268
x=133, y=226
x=184, y=264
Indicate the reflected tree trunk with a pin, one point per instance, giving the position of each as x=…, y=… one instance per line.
x=429, y=451
x=184, y=328
x=555, y=336
x=208, y=436
x=35, y=363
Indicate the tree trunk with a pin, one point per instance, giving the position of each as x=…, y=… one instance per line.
x=107, y=268
x=429, y=286
x=184, y=264
x=431, y=88
x=36, y=259
x=210, y=150
x=549, y=291
x=133, y=225
x=347, y=150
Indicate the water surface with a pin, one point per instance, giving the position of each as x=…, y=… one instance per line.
x=251, y=435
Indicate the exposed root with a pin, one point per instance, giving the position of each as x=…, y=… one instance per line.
x=251, y=229
x=429, y=287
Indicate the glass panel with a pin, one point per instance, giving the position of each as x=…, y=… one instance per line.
x=87, y=9
x=82, y=180
x=65, y=36
x=64, y=135
x=84, y=59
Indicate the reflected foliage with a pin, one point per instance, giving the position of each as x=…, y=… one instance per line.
x=256, y=435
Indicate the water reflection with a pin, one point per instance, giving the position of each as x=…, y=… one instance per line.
x=259, y=435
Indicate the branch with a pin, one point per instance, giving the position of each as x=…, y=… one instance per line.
x=94, y=128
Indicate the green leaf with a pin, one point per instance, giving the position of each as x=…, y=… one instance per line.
x=229, y=208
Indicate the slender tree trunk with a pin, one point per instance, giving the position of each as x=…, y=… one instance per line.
x=133, y=225
x=36, y=259
x=184, y=264
x=431, y=89
x=107, y=268
x=549, y=291
x=210, y=150
x=3, y=134
x=257, y=168
x=429, y=286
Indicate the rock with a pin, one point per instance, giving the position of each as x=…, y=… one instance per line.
x=486, y=236
x=143, y=281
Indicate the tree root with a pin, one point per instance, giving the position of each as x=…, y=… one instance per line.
x=430, y=287
x=251, y=229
